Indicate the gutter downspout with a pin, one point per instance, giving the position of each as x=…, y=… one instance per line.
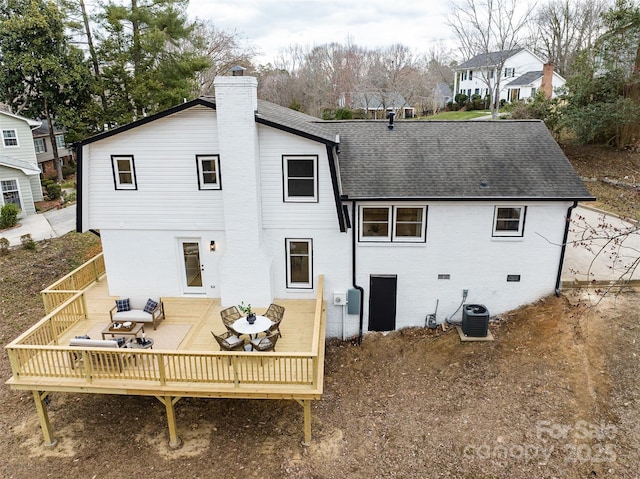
x=564, y=247
x=353, y=270
x=79, y=186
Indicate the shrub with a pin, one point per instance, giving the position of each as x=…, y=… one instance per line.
x=4, y=246
x=54, y=190
x=27, y=242
x=9, y=215
x=68, y=170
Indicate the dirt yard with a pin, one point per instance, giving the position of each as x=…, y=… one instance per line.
x=555, y=395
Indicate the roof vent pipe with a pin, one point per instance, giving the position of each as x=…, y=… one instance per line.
x=390, y=115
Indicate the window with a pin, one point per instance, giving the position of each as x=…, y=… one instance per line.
x=60, y=141
x=10, y=138
x=533, y=92
x=300, y=178
x=124, y=173
x=10, y=192
x=393, y=223
x=509, y=72
x=509, y=221
x=299, y=263
x=470, y=74
x=40, y=145
x=463, y=77
x=513, y=94
x=491, y=73
x=208, y=172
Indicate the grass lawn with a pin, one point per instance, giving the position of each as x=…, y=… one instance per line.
x=458, y=115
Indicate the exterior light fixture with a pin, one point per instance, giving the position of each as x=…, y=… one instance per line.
x=212, y=246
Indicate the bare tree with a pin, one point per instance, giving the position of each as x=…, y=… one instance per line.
x=561, y=29
x=224, y=51
x=490, y=28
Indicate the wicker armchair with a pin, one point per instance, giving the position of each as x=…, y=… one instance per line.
x=275, y=313
x=229, y=316
x=266, y=343
x=229, y=341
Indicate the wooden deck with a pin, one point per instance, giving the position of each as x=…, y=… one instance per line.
x=193, y=366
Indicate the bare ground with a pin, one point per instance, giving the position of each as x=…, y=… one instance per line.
x=555, y=395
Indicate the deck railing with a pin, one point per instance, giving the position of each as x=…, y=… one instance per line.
x=78, y=280
x=35, y=355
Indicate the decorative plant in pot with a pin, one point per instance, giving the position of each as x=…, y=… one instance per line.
x=246, y=310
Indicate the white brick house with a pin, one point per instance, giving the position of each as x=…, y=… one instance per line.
x=244, y=200
x=519, y=72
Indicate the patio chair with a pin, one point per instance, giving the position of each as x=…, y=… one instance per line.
x=229, y=316
x=275, y=313
x=266, y=343
x=229, y=341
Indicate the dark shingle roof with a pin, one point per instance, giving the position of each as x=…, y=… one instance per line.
x=490, y=59
x=445, y=159
x=525, y=79
x=293, y=120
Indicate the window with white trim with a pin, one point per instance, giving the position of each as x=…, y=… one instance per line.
x=508, y=220
x=403, y=224
x=300, y=178
x=60, y=141
x=124, y=172
x=299, y=263
x=10, y=192
x=40, y=145
x=208, y=172
x=10, y=138
x=509, y=72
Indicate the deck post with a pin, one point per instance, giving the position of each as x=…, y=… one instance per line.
x=45, y=424
x=306, y=404
x=174, y=440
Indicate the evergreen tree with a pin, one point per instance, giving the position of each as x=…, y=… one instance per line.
x=603, y=101
x=41, y=74
x=148, y=58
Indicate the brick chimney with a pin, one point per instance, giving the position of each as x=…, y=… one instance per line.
x=547, y=80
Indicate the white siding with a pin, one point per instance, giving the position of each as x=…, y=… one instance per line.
x=165, y=162
x=279, y=214
x=25, y=150
x=24, y=187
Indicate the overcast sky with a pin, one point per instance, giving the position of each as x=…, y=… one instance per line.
x=272, y=25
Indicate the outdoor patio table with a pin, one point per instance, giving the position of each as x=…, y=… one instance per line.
x=261, y=324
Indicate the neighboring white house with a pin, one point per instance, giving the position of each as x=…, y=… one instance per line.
x=19, y=172
x=523, y=74
x=244, y=200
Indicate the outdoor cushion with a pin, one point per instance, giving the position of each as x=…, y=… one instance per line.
x=233, y=340
x=122, y=305
x=94, y=343
x=150, y=306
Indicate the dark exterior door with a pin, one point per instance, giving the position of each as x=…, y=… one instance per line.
x=382, y=303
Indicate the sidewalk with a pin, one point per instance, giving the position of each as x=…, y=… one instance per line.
x=43, y=226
